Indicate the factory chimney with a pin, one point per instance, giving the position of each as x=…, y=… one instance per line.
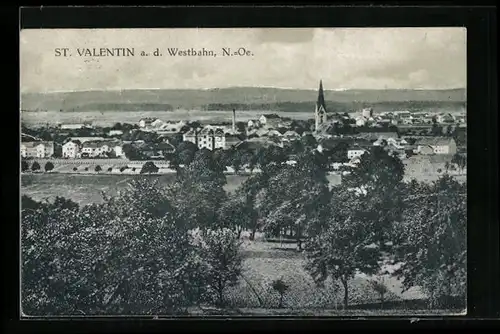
x=234, y=121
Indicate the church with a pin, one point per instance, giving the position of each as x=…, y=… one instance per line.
x=320, y=112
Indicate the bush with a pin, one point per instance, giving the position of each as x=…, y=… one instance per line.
x=122, y=169
x=35, y=166
x=98, y=168
x=149, y=167
x=86, y=169
x=49, y=166
x=24, y=165
x=110, y=169
x=75, y=169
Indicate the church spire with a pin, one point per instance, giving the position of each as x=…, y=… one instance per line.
x=321, y=98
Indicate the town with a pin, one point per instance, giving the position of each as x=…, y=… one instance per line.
x=428, y=142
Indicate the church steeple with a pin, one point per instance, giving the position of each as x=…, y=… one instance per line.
x=321, y=97
x=320, y=112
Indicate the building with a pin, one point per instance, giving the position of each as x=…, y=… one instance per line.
x=270, y=121
x=146, y=122
x=86, y=139
x=231, y=141
x=209, y=137
x=355, y=152
x=118, y=149
x=171, y=127
x=37, y=149
x=320, y=111
x=94, y=149
x=446, y=118
x=439, y=145
x=71, y=149
x=115, y=133
x=291, y=135
x=367, y=113
x=190, y=136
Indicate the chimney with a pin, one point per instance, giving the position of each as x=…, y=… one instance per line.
x=234, y=120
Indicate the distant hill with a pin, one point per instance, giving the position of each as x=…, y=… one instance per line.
x=243, y=97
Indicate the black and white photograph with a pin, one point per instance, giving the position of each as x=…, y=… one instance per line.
x=256, y=172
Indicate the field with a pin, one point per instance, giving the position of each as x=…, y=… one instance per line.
x=265, y=262
x=88, y=188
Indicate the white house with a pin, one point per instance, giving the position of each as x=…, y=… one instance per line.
x=119, y=151
x=71, y=149
x=145, y=122
x=355, y=152
x=439, y=145
x=360, y=121
x=115, y=132
x=38, y=149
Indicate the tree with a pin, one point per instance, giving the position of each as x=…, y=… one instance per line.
x=378, y=285
x=222, y=260
x=132, y=152
x=430, y=241
x=24, y=166
x=293, y=196
x=35, y=167
x=198, y=192
x=447, y=166
x=98, y=168
x=280, y=287
x=236, y=213
x=185, y=152
x=339, y=252
x=149, y=167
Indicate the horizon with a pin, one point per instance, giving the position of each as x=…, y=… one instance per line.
x=338, y=90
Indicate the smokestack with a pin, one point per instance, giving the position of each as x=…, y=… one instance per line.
x=234, y=120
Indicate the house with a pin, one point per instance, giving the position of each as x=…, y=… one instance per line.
x=445, y=118
x=291, y=135
x=146, y=122
x=86, y=139
x=361, y=121
x=93, y=149
x=272, y=133
x=171, y=127
x=439, y=145
x=373, y=136
x=210, y=137
x=112, y=133
x=76, y=126
x=118, y=149
x=231, y=141
x=37, y=149
x=270, y=120
x=355, y=152
x=71, y=149
x=367, y=113
x=461, y=118
x=262, y=132
x=402, y=115
x=190, y=136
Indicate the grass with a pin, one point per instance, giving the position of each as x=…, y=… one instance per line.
x=265, y=262
x=87, y=188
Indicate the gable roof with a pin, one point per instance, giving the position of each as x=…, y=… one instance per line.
x=434, y=141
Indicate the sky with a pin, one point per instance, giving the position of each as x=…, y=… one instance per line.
x=344, y=58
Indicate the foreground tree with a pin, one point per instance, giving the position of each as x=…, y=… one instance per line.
x=431, y=243
x=222, y=260
x=339, y=252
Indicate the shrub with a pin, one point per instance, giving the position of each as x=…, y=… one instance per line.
x=24, y=165
x=280, y=287
x=97, y=168
x=75, y=169
x=110, y=169
x=35, y=166
x=86, y=169
x=49, y=166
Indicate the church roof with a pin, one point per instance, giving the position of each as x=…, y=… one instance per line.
x=320, y=103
